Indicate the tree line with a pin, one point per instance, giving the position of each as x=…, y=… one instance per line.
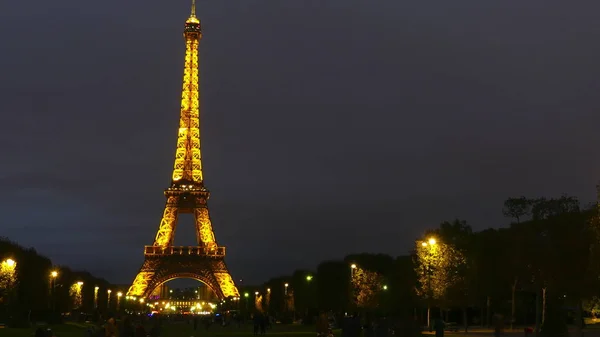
x=543, y=271
x=32, y=288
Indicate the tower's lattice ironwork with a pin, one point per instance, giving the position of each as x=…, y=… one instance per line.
x=187, y=194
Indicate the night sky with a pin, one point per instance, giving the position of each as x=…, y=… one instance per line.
x=328, y=127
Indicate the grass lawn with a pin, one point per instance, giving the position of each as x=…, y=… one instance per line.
x=62, y=330
x=177, y=329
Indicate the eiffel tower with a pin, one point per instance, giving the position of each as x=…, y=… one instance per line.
x=187, y=194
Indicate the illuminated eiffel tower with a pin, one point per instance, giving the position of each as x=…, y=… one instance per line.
x=187, y=194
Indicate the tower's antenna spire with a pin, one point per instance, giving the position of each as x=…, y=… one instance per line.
x=193, y=9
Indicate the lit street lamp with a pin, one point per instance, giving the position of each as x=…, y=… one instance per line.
x=8, y=272
x=53, y=276
x=119, y=294
x=431, y=244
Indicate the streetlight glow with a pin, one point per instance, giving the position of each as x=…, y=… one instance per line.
x=80, y=283
x=353, y=266
x=54, y=274
x=309, y=277
x=432, y=241
x=119, y=294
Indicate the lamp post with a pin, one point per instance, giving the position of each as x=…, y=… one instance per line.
x=53, y=276
x=96, y=297
x=8, y=270
x=76, y=292
x=108, y=299
x=119, y=294
x=351, y=286
x=431, y=244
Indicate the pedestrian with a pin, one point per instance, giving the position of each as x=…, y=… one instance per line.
x=439, y=325
x=110, y=328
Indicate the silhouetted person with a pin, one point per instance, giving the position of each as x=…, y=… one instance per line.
x=110, y=328
x=140, y=331
x=127, y=330
x=257, y=320
x=439, y=327
x=263, y=324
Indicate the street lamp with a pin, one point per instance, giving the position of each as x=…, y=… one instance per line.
x=309, y=278
x=96, y=288
x=431, y=243
x=119, y=294
x=285, y=288
x=352, y=269
x=8, y=272
x=108, y=298
x=53, y=276
x=76, y=292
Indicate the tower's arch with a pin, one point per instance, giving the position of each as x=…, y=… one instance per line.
x=185, y=275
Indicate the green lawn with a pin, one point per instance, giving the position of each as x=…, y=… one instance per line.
x=62, y=330
x=177, y=330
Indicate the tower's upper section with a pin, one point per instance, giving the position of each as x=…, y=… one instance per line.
x=192, y=24
x=187, y=171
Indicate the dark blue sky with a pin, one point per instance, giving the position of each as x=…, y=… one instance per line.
x=328, y=127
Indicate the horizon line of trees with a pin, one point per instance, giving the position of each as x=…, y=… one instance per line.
x=33, y=288
x=543, y=270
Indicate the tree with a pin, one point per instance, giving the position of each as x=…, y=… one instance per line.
x=367, y=286
x=436, y=266
x=333, y=286
x=516, y=208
